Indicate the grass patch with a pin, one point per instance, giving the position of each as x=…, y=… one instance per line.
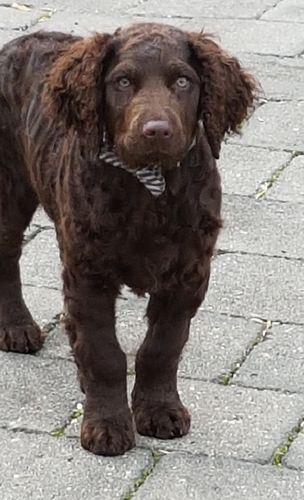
x=268, y=184
x=266, y=326
x=283, y=449
x=297, y=153
x=142, y=479
x=60, y=431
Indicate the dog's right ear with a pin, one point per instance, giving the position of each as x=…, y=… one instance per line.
x=72, y=93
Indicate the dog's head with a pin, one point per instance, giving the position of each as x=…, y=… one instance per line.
x=147, y=87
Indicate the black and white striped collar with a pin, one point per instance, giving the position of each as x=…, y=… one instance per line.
x=151, y=176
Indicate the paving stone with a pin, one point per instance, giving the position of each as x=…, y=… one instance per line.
x=39, y=222
x=209, y=8
x=87, y=6
x=215, y=341
x=11, y=18
x=240, y=36
x=36, y=394
x=7, y=35
x=199, y=478
x=215, y=344
x=276, y=363
x=265, y=127
x=243, y=169
x=275, y=75
x=44, y=303
x=56, y=345
x=286, y=10
x=40, y=264
x=237, y=36
x=231, y=421
x=254, y=286
x=86, y=24
x=295, y=456
x=41, y=219
x=290, y=185
x=45, y=468
x=234, y=422
x=262, y=227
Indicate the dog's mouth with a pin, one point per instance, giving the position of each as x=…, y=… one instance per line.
x=148, y=166
x=138, y=154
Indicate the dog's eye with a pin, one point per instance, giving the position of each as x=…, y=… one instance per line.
x=124, y=82
x=182, y=82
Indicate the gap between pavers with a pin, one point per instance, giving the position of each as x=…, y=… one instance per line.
x=229, y=421
x=277, y=363
x=215, y=341
x=289, y=186
x=36, y=394
x=269, y=227
x=255, y=286
x=42, y=468
x=39, y=263
x=200, y=478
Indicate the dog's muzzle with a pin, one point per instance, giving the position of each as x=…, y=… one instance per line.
x=151, y=176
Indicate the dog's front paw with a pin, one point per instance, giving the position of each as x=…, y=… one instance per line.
x=24, y=338
x=162, y=420
x=107, y=437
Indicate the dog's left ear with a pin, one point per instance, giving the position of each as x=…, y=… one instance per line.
x=228, y=92
x=72, y=93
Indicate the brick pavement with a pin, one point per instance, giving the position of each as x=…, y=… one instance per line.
x=241, y=373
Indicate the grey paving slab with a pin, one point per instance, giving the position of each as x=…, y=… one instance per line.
x=209, y=8
x=215, y=342
x=295, y=456
x=275, y=75
x=238, y=36
x=41, y=219
x=197, y=478
x=45, y=468
x=286, y=10
x=40, y=264
x=7, y=35
x=276, y=363
x=230, y=421
x=255, y=37
x=262, y=227
x=36, y=394
x=18, y=19
x=83, y=6
x=56, y=345
x=276, y=124
x=44, y=303
x=243, y=169
x=254, y=286
x=290, y=185
x=85, y=24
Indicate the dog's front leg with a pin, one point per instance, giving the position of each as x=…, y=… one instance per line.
x=107, y=422
x=158, y=410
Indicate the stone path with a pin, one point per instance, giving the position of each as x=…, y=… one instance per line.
x=242, y=372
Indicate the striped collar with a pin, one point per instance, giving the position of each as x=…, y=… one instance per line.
x=151, y=176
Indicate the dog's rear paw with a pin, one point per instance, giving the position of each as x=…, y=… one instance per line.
x=162, y=420
x=107, y=438
x=24, y=338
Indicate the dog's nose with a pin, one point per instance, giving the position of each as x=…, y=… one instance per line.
x=158, y=129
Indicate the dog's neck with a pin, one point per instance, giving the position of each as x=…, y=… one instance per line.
x=151, y=176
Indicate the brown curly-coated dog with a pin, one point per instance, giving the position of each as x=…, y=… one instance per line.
x=116, y=137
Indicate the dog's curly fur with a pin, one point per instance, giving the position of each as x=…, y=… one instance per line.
x=59, y=94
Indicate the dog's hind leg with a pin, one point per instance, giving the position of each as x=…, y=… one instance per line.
x=18, y=202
